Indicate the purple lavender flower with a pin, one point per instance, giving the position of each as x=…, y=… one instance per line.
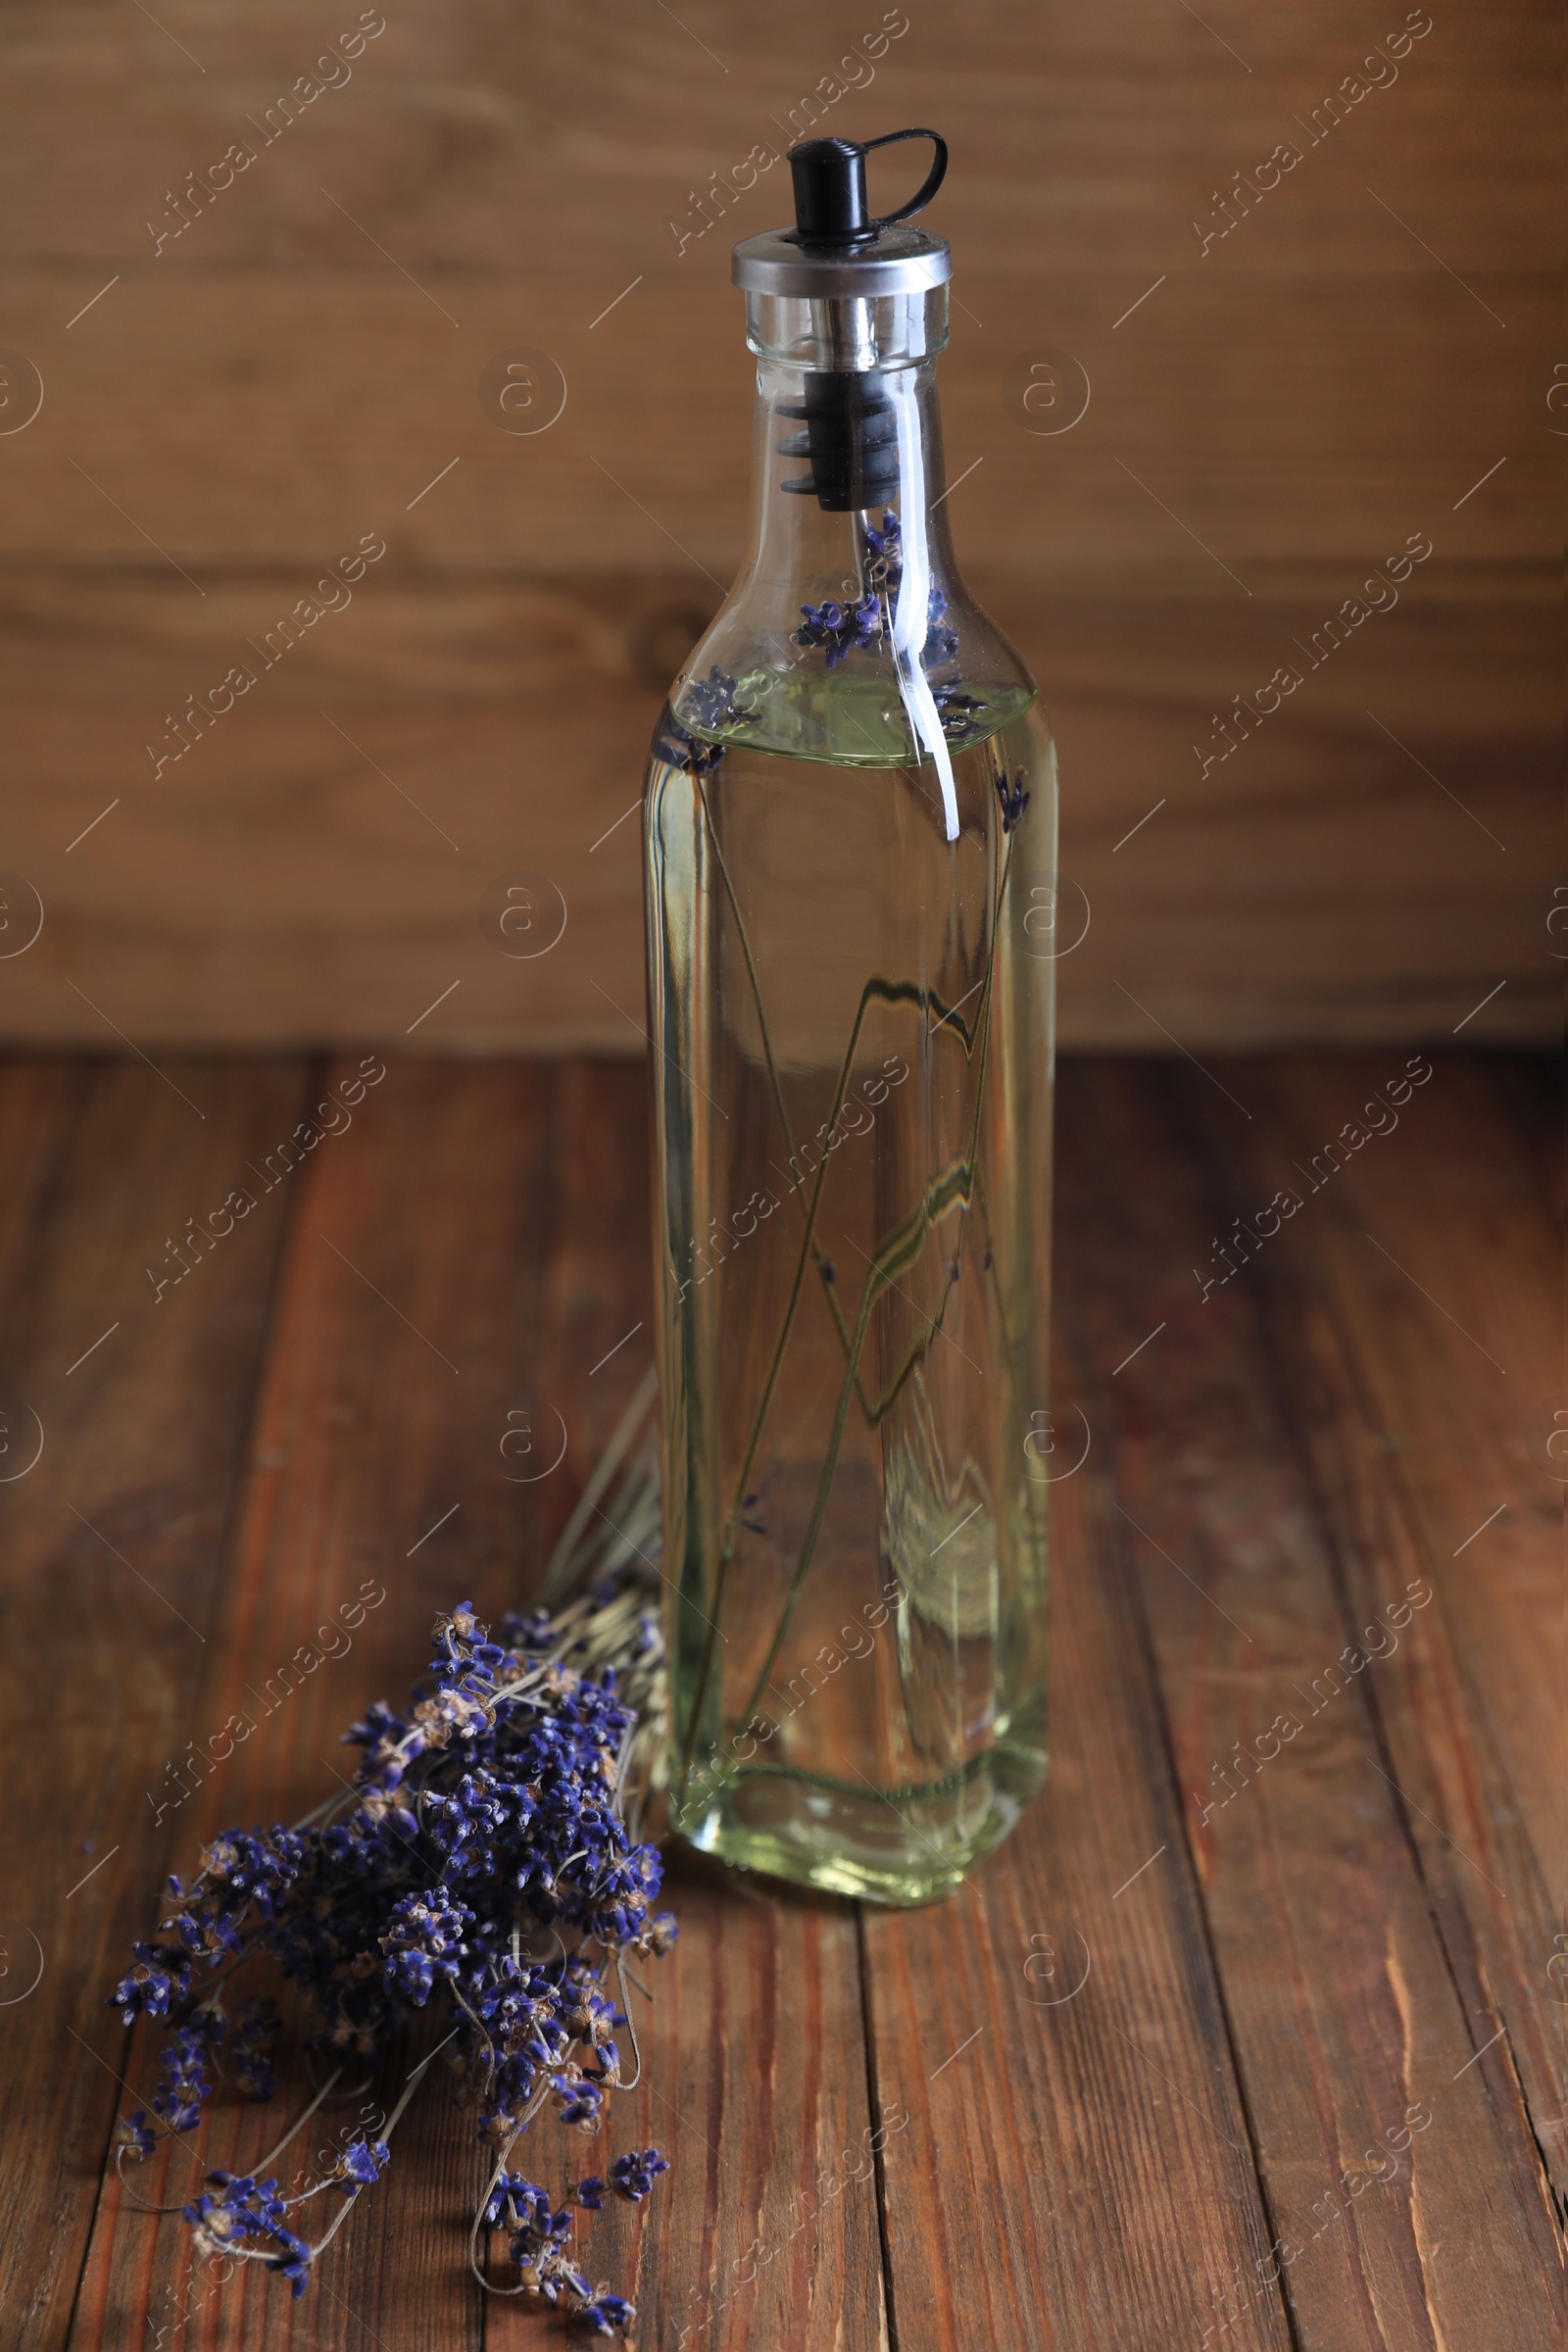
x=577, y=2099
x=380, y=1733
x=361, y=2165
x=884, y=549
x=520, y=2006
x=710, y=701
x=686, y=750
x=491, y=1809
x=257, y=1863
x=423, y=1942
x=292, y=2261
x=505, y=2202
x=942, y=640
x=154, y=1984
x=841, y=628
x=633, y=2175
x=536, y=1630
x=537, y=2233
x=246, y=2212
x=182, y=2083
x=605, y=2315
x=537, y=2242
x=1014, y=800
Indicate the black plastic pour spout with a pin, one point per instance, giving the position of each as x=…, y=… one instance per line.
x=850, y=435
x=829, y=175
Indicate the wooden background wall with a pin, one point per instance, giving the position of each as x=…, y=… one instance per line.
x=225, y=412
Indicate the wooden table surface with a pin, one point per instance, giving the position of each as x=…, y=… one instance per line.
x=1288, y=379
x=1251, y=2036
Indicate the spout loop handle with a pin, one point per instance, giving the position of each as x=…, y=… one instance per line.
x=928, y=186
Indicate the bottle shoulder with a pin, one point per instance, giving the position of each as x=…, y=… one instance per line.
x=733, y=794
x=829, y=679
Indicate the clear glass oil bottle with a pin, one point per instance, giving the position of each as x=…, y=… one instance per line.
x=851, y=860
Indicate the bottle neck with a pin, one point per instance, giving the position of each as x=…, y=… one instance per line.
x=848, y=506
x=848, y=635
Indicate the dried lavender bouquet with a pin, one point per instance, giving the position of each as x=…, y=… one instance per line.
x=486, y=1862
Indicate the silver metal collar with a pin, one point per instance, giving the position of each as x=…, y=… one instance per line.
x=901, y=260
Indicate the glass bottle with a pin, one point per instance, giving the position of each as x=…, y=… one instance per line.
x=850, y=869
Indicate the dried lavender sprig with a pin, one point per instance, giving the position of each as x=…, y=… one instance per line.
x=295, y=2128
x=863, y=622
x=518, y=1783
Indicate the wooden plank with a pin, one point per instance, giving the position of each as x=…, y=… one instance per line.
x=1273, y=410
x=113, y=1543
x=1441, y=1267
x=285, y=879
x=502, y=1212
x=1430, y=1457
x=1345, y=2016
x=1083, y=2164
x=1276, y=452
x=1130, y=122
x=1078, y=2167
x=767, y=2230
x=1287, y=373
x=372, y=1419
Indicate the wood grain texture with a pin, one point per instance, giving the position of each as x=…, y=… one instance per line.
x=1442, y=1267
x=1133, y=2067
x=112, y=1541
x=396, y=1357
x=1362, y=353
x=289, y=383
x=314, y=868
x=756, y=2087
x=1411, y=1428
x=1346, y=2017
x=1080, y=2151
x=383, y=1403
